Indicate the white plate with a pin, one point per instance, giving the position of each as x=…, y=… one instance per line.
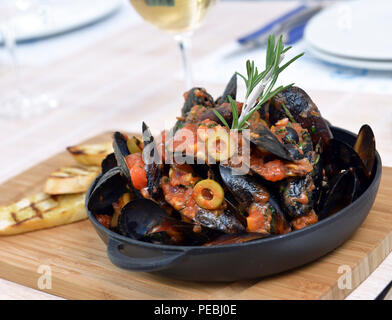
x=50, y=18
x=358, y=29
x=355, y=63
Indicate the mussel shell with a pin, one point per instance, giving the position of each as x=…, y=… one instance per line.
x=108, y=163
x=230, y=90
x=195, y=98
x=140, y=216
x=295, y=188
x=340, y=156
x=263, y=138
x=304, y=111
x=121, y=152
x=365, y=147
x=291, y=135
x=108, y=189
x=244, y=188
x=230, y=221
x=153, y=164
x=224, y=110
x=340, y=192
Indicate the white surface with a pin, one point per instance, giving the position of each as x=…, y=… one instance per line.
x=47, y=18
x=358, y=29
x=307, y=72
x=46, y=51
x=355, y=63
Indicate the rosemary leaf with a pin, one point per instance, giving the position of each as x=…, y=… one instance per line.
x=234, y=111
x=221, y=119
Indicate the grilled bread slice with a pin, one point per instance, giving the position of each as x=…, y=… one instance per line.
x=91, y=154
x=72, y=179
x=41, y=211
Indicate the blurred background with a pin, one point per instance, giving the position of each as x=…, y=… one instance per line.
x=72, y=69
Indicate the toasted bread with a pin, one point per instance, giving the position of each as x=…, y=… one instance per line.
x=41, y=211
x=91, y=154
x=72, y=179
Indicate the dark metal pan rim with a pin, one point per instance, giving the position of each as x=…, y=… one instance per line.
x=227, y=247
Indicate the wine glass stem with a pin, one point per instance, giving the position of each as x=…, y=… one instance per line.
x=184, y=42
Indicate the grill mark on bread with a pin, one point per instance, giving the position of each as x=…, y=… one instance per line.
x=13, y=215
x=36, y=210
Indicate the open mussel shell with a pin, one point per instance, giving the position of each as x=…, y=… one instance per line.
x=339, y=193
x=365, y=147
x=121, y=152
x=246, y=188
x=108, y=163
x=243, y=187
x=230, y=221
x=144, y=220
x=263, y=138
x=303, y=110
x=230, y=90
x=340, y=156
x=197, y=96
x=108, y=189
x=153, y=163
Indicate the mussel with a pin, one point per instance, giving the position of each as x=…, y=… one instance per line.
x=303, y=110
x=264, y=213
x=121, y=152
x=263, y=138
x=108, y=163
x=144, y=220
x=365, y=147
x=109, y=187
x=153, y=163
x=341, y=191
x=178, y=189
x=296, y=195
x=197, y=96
x=347, y=171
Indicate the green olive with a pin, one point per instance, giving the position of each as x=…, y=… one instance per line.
x=208, y=194
x=220, y=145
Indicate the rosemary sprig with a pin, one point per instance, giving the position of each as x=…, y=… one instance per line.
x=288, y=113
x=260, y=86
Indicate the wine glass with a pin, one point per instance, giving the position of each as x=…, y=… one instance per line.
x=18, y=99
x=178, y=17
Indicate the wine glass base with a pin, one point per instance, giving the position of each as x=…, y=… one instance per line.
x=18, y=104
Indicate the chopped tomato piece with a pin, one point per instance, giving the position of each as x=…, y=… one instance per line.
x=273, y=170
x=137, y=170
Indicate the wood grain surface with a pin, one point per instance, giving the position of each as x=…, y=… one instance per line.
x=81, y=269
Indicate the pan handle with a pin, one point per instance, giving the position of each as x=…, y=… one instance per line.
x=164, y=261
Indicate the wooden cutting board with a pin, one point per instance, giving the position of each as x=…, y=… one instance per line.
x=81, y=269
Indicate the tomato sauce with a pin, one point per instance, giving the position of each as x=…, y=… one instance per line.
x=304, y=221
x=259, y=220
x=104, y=219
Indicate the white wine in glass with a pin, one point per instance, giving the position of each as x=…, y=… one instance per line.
x=178, y=17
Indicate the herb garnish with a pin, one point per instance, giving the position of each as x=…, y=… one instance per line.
x=260, y=86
